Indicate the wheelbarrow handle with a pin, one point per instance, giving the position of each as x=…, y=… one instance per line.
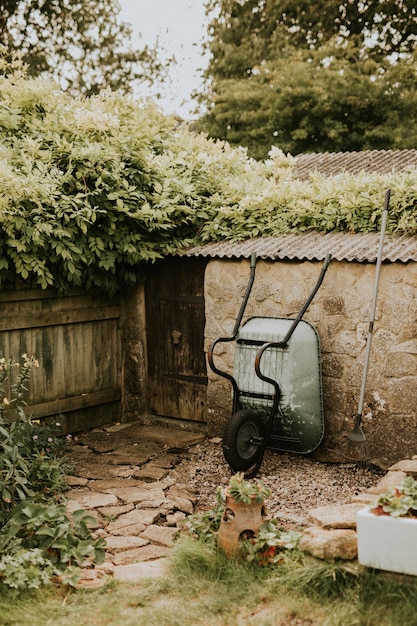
x=285, y=340
x=326, y=263
x=210, y=352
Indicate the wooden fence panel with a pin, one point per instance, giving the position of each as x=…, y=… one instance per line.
x=76, y=339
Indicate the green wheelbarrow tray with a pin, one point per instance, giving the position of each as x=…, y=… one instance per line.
x=298, y=422
x=276, y=385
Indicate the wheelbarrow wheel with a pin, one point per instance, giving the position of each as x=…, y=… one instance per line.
x=241, y=440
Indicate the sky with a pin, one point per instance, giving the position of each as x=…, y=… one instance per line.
x=179, y=26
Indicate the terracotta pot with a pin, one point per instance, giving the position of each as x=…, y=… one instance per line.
x=239, y=521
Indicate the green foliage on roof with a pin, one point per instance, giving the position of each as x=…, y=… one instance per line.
x=92, y=189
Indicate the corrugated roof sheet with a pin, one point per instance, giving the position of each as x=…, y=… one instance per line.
x=314, y=246
x=368, y=161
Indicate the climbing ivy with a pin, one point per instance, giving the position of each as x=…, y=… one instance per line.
x=94, y=189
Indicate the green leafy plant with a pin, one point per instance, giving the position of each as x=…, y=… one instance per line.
x=243, y=490
x=270, y=544
x=15, y=460
x=204, y=525
x=400, y=501
x=30, y=461
x=38, y=539
x=63, y=540
x=21, y=568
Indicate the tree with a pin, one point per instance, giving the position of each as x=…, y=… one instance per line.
x=81, y=44
x=311, y=76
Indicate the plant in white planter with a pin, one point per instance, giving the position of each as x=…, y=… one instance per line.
x=387, y=530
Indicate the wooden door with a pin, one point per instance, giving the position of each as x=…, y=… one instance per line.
x=175, y=318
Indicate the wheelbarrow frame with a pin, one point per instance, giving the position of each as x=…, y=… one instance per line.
x=247, y=428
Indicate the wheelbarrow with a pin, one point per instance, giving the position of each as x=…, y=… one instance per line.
x=276, y=385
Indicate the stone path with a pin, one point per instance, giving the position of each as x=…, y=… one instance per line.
x=123, y=477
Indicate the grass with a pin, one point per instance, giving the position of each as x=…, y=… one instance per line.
x=205, y=588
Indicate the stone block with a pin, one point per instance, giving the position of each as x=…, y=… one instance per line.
x=135, y=572
x=332, y=366
x=402, y=394
x=160, y=535
x=399, y=364
x=182, y=491
x=76, y=481
x=150, y=472
x=112, y=485
x=407, y=466
x=334, y=306
x=120, y=543
x=363, y=499
x=175, y=519
x=389, y=481
x=338, y=516
x=181, y=504
x=147, y=553
x=137, y=517
x=115, y=511
x=138, y=495
x=330, y=544
x=126, y=531
x=92, y=501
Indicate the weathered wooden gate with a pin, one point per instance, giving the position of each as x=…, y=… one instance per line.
x=76, y=340
x=175, y=317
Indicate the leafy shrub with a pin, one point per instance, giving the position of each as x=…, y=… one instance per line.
x=38, y=540
x=29, y=461
x=93, y=189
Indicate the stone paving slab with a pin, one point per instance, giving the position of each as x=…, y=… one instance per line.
x=182, y=504
x=160, y=535
x=149, y=552
x=113, y=484
x=143, y=517
x=134, y=572
x=409, y=466
x=92, y=500
x=338, y=516
x=150, y=472
x=120, y=544
x=138, y=495
x=115, y=511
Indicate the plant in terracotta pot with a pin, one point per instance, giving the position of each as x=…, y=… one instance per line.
x=246, y=492
x=387, y=530
x=240, y=525
x=244, y=513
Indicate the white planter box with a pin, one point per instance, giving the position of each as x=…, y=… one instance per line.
x=388, y=543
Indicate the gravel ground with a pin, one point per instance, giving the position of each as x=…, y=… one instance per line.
x=298, y=483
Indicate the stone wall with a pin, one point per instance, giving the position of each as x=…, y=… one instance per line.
x=340, y=312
